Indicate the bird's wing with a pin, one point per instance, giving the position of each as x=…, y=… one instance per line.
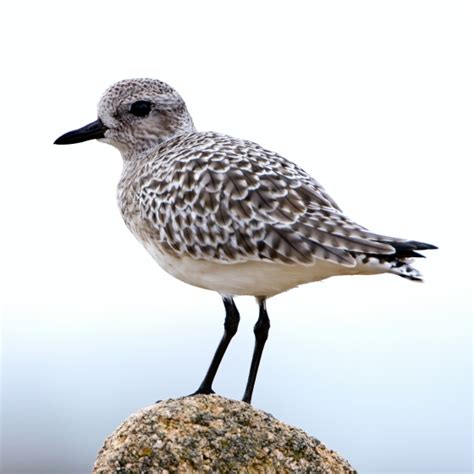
x=232, y=201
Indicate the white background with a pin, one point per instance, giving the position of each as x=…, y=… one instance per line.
x=373, y=98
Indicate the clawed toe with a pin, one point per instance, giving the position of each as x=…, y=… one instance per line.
x=202, y=391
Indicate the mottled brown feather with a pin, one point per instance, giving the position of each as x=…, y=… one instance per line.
x=211, y=196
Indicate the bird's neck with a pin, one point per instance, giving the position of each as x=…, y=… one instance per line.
x=151, y=141
x=151, y=149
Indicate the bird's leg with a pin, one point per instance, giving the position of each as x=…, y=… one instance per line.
x=231, y=325
x=261, y=333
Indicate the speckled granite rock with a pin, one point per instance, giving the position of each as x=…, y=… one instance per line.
x=209, y=433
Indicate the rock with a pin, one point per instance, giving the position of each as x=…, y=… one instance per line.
x=209, y=433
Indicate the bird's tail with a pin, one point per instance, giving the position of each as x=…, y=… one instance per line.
x=399, y=262
x=405, y=270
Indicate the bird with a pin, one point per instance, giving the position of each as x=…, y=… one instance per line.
x=228, y=215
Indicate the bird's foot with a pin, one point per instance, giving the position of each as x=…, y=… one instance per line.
x=202, y=391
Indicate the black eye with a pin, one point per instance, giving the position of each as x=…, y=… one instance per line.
x=140, y=108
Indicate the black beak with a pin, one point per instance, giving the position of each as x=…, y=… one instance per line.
x=93, y=130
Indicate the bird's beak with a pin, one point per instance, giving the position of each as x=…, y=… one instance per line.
x=93, y=130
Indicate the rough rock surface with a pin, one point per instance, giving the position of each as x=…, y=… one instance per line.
x=209, y=433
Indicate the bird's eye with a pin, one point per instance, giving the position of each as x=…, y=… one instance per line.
x=140, y=108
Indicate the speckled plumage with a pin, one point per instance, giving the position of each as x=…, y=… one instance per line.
x=207, y=196
x=210, y=196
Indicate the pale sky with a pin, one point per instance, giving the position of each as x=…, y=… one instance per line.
x=374, y=99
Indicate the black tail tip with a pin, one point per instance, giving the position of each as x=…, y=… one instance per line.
x=422, y=245
x=408, y=248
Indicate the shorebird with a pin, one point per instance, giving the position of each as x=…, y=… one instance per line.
x=226, y=214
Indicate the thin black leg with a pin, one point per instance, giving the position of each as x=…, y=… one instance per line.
x=231, y=325
x=261, y=334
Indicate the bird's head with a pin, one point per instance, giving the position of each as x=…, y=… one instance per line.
x=135, y=115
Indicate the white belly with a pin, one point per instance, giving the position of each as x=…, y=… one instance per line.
x=252, y=278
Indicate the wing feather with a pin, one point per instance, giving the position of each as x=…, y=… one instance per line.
x=214, y=197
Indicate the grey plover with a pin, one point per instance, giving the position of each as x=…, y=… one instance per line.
x=227, y=215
